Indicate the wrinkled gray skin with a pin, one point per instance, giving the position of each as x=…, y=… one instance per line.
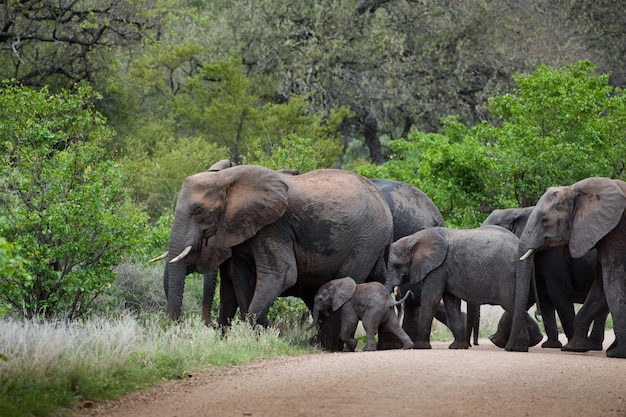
x=282, y=233
x=477, y=265
x=369, y=302
x=410, y=319
x=561, y=281
x=412, y=210
x=585, y=215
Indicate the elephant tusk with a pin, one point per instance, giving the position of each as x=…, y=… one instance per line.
x=158, y=258
x=527, y=254
x=182, y=254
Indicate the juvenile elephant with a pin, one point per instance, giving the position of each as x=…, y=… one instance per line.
x=585, y=215
x=369, y=302
x=477, y=265
x=412, y=210
x=281, y=233
x=412, y=304
x=561, y=281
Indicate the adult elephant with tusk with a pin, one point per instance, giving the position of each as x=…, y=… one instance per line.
x=585, y=215
x=561, y=281
x=283, y=234
x=194, y=263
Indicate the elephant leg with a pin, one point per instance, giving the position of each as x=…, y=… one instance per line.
x=349, y=322
x=276, y=271
x=596, y=337
x=565, y=309
x=370, y=321
x=457, y=323
x=615, y=292
x=208, y=294
x=532, y=329
x=501, y=336
x=431, y=296
x=410, y=320
x=387, y=340
x=242, y=275
x=329, y=334
x=391, y=324
x=228, y=298
x=442, y=315
x=595, y=305
x=472, y=323
x=548, y=314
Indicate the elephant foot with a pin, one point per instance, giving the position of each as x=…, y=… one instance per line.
x=518, y=346
x=581, y=345
x=616, y=350
x=422, y=345
x=498, y=340
x=536, y=338
x=458, y=345
x=350, y=345
x=552, y=344
x=408, y=345
x=369, y=347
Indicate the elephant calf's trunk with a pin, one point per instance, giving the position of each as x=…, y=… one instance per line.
x=409, y=292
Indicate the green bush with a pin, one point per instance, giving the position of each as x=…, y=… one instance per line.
x=69, y=214
x=556, y=128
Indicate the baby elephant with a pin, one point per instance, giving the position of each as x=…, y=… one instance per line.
x=369, y=302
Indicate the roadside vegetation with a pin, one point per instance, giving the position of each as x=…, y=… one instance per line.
x=105, y=111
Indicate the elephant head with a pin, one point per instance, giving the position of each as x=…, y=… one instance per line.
x=577, y=216
x=415, y=255
x=332, y=296
x=513, y=219
x=219, y=210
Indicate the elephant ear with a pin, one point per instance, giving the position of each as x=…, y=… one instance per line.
x=343, y=291
x=254, y=198
x=520, y=219
x=429, y=252
x=598, y=207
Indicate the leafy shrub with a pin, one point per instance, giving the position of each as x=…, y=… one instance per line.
x=69, y=214
x=558, y=127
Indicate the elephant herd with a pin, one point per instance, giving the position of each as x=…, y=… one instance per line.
x=343, y=243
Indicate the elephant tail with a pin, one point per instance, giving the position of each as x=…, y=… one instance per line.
x=395, y=303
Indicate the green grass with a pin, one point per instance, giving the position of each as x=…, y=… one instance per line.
x=52, y=367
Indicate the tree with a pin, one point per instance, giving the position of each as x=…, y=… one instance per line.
x=557, y=127
x=60, y=43
x=68, y=212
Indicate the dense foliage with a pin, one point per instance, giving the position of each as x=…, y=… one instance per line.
x=68, y=215
x=451, y=96
x=557, y=127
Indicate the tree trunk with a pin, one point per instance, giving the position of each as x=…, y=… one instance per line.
x=370, y=135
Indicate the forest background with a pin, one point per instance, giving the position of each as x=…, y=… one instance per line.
x=106, y=106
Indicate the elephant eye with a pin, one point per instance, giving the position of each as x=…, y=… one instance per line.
x=196, y=210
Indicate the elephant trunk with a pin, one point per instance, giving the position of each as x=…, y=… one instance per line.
x=174, y=274
x=522, y=287
x=316, y=317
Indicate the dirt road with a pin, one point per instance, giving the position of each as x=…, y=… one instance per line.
x=481, y=381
